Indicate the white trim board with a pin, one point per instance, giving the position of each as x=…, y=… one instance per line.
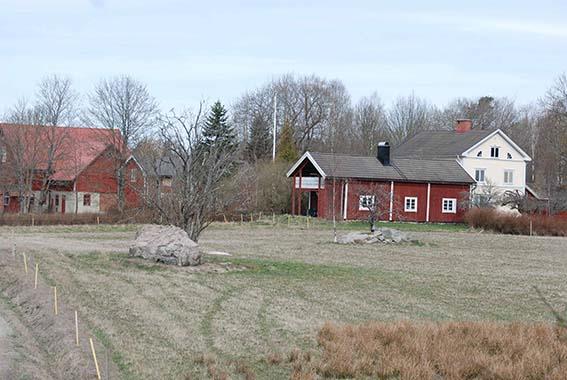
x=301, y=159
x=505, y=137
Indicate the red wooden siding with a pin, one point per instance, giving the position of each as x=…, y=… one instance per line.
x=438, y=192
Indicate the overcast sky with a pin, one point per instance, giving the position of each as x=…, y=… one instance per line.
x=188, y=50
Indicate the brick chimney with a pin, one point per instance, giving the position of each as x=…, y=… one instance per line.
x=463, y=125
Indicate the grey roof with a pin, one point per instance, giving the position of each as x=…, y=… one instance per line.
x=347, y=166
x=162, y=167
x=439, y=144
x=400, y=169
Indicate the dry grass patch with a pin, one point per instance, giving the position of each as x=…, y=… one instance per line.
x=449, y=350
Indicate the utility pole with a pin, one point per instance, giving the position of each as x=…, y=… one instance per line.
x=274, y=134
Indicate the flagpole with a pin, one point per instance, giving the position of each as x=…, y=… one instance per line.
x=274, y=132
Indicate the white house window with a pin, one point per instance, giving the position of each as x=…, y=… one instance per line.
x=509, y=156
x=479, y=175
x=3, y=156
x=479, y=154
x=495, y=151
x=6, y=199
x=86, y=199
x=508, y=177
x=449, y=206
x=410, y=204
x=365, y=202
x=133, y=175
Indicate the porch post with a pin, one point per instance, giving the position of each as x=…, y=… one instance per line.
x=300, y=189
x=293, y=196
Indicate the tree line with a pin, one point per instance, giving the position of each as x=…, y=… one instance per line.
x=221, y=155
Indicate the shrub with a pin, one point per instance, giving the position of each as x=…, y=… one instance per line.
x=507, y=223
x=129, y=216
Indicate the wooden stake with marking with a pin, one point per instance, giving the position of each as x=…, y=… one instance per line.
x=25, y=263
x=76, y=328
x=288, y=220
x=35, y=277
x=55, y=310
x=94, y=358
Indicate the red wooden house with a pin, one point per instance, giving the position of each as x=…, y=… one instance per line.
x=83, y=173
x=407, y=189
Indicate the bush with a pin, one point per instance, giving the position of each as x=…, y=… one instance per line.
x=493, y=220
x=129, y=216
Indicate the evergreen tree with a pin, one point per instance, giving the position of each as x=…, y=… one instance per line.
x=286, y=147
x=218, y=134
x=259, y=146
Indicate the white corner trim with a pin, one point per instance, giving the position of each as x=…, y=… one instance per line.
x=346, y=201
x=428, y=202
x=391, y=201
x=301, y=159
x=505, y=137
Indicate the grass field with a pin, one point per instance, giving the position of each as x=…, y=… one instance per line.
x=280, y=286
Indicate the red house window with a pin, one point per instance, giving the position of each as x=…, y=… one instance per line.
x=86, y=200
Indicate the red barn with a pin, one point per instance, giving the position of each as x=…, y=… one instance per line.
x=402, y=188
x=74, y=170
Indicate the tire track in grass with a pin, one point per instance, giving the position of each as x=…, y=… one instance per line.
x=206, y=324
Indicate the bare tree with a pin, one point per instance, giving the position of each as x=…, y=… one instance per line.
x=369, y=125
x=38, y=143
x=407, y=117
x=125, y=105
x=377, y=198
x=194, y=199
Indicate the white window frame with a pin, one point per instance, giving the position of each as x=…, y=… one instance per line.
x=6, y=199
x=90, y=197
x=483, y=170
x=450, y=201
x=495, y=149
x=3, y=156
x=508, y=176
x=361, y=199
x=406, y=199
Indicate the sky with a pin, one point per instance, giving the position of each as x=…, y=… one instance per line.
x=187, y=51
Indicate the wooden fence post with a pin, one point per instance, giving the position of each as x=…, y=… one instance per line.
x=35, y=277
x=32, y=220
x=273, y=218
x=55, y=309
x=288, y=220
x=14, y=251
x=94, y=358
x=76, y=328
x=241, y=219
x=25, y=263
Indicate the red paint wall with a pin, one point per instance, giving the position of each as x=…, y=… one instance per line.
x=438, y=192
x=401, y=190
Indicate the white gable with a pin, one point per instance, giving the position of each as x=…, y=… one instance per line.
x=508, y=149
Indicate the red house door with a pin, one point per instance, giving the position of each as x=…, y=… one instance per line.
x=63, y=204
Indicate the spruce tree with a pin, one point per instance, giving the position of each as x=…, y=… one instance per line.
x=218, y=134
x=259, y=146
x=286, y=147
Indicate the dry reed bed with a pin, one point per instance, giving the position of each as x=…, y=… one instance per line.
x=448, y=350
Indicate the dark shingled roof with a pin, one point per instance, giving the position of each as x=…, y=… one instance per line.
x=439, y=144
x=400, y=169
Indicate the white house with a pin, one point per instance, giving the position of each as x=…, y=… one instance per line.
x=489, y=156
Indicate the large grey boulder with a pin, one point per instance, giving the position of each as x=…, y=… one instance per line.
x=166, y=244
x=382, y=235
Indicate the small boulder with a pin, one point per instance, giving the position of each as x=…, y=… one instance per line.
x=382, y=235
x=166, y=244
